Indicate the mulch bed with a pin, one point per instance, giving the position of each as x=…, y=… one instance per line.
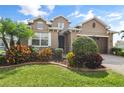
x=63, y=64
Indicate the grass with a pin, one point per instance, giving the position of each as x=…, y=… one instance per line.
x=52, y=75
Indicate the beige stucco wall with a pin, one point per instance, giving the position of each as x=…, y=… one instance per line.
x=54, y=39
x=88, y=29
x=59, y=20
x=110, y=42
x=73, y=36
x=67, y=41
x=34, y=26
x=99, y=29
x=54, y=35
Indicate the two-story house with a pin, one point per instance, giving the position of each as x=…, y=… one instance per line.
x=58, y=33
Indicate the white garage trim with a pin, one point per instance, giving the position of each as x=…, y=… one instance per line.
x=92, y=35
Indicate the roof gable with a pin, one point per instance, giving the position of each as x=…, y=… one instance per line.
x=39, y=17
x=60, y=17
x=96, y=19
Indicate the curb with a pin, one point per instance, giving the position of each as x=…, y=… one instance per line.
x=54, y=63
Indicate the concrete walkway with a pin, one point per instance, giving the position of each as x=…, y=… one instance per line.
x=115, y=63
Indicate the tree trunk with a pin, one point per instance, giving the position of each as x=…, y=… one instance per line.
x=5, y=42
x=12, y=43
x=19, y=43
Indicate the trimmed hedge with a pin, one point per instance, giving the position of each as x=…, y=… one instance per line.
x=58, y=54
x=84, y=46
x=85, y=53
x=116, y=51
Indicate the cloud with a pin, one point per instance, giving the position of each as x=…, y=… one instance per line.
x=89, y=15
x=119, y=27
x=76, y=14
x=33, y=10
x=114, y=16
x=36, y=10
x=51, y=7
x=25, y=21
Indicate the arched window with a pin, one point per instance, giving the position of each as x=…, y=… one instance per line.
x=94, y=25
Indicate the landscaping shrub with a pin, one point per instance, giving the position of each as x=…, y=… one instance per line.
x=84, y=46
x=34, y=56
x=70, y=57
x=116, y=51
x=45, y=54
x=76, y=61
x=121, y=53
x=80, y=60
x=58, y=54
x=2, y=60
x=84, y=53
x=93, y=61
x=18, y=54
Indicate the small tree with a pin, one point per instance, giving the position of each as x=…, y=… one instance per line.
x=22, y=31
x=7, y=28
x=10, y=29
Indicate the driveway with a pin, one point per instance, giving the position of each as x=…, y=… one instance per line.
x=115, y=63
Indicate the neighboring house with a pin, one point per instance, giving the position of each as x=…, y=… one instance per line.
x=58, y=33
x=120, y=44
x=2, y=46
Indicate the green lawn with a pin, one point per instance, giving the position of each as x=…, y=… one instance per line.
x=52, y=75
x=2, y=51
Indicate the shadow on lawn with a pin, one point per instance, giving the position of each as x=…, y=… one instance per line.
x=92, y=74
x=4, y=73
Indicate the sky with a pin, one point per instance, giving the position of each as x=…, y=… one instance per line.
x=112, y=15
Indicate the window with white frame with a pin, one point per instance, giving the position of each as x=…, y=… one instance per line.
x=44, y=39
x=61, y=25
x=2, y=47
x=40, y=25
x=41, y=39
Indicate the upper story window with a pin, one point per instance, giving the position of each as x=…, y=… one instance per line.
x=61, y=25
x=40, y=25
x=94, y=25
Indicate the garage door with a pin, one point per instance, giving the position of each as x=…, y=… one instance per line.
x=102, y=44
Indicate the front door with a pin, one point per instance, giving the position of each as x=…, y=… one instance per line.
x=61, y=42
